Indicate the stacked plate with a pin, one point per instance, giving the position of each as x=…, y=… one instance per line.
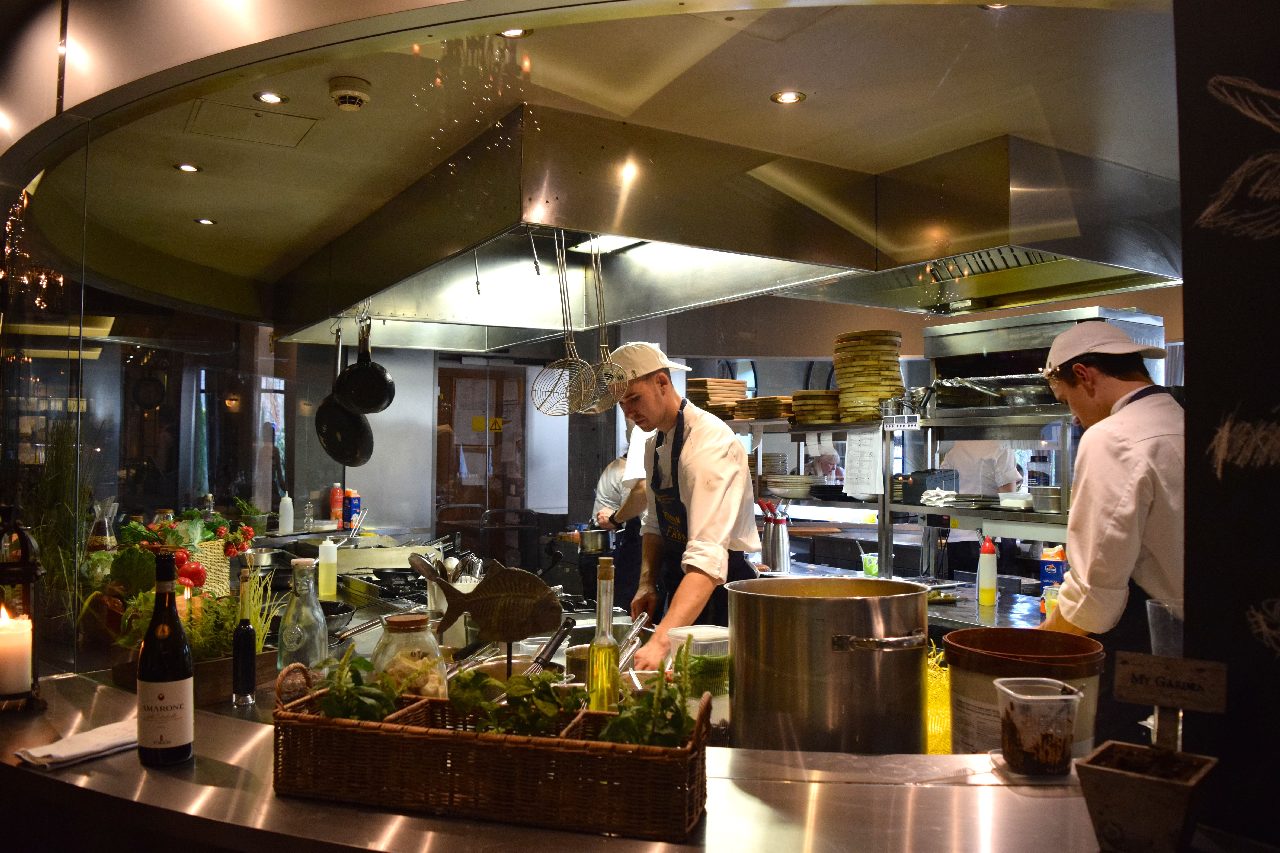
x=795, y=486
x=763, y=407
x=867, y=371
x=774, y=463
x=816, y=407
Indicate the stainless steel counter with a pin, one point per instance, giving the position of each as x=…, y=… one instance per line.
x=1011, y=610
x=756, y=800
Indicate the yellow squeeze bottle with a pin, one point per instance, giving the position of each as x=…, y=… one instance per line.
x=603, y=681
x=987, y=574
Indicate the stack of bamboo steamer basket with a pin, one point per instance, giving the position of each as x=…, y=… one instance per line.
x=764, y=407
x=720, y=397
x=816, y=407
x=867, y=372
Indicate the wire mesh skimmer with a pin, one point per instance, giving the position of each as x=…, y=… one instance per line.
x=566, y=385
x=610, y=383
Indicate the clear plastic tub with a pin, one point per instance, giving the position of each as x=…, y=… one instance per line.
x=709, y=664
x=1037, y=724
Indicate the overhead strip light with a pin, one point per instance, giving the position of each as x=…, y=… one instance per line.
x=606, y=243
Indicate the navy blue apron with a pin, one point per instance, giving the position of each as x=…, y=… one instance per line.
x=1120, y=720
x=626, y=563
x=673, y=522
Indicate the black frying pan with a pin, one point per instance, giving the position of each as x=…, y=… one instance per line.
x=365, y=386
x=344, y=434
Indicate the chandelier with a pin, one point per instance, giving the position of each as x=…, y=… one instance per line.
x=29, y=284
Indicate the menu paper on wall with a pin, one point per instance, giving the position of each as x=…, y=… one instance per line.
x=863, y=466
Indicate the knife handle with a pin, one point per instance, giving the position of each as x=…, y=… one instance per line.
x=549, y=650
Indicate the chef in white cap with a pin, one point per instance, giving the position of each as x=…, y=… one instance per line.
x=1125, y=530
x=700, y=521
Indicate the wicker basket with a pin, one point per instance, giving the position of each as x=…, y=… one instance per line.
x=212, y=555
x=427, y=758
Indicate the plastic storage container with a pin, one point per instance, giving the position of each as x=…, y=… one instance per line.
x=409, y=653
x=709, y=663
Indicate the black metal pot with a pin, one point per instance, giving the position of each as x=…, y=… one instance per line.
x=596, y=541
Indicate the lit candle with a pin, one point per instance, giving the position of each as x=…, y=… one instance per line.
x=15, y=654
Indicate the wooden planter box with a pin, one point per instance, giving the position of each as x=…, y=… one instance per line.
x=212, y=677
x=1142, y=798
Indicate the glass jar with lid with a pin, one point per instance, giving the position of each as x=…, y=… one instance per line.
x=409, y=653
x=162, y=514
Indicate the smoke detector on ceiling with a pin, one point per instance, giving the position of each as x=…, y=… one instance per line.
x=349, y=93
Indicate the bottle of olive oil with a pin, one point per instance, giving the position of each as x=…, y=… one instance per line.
x=603, y=681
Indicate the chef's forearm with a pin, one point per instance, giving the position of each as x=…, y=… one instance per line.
x=633, y=504
x=650, y=560
x=691, y=596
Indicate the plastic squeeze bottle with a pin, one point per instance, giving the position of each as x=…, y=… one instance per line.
x=285, y=514
x=328, y=569
x=987, y=573
x=335, y=503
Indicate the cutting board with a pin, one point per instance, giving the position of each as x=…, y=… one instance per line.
x=812, y=529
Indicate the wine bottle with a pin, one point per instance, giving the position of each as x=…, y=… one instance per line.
x=603, y=680
x=244, y=650
x=166, y=705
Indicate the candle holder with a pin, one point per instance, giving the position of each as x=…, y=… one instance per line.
x=20, y=570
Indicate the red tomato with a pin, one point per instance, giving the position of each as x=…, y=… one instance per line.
x=230, y=550
x=180, y=557
x=221, y=532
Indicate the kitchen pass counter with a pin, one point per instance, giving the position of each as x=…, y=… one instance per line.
x=756, y=799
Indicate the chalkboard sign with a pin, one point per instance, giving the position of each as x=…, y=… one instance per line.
x=1229, y=141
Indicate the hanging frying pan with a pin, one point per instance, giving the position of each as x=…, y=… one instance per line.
x=365, y=386
x=344, y=434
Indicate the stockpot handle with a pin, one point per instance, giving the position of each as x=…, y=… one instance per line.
x=847, y=643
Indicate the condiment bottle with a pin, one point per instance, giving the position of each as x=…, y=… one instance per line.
x=244, y=649
x=303, y=636
x=987, y=573
x=328, y=569
x=285, y=514
x=603, y=681
x=335, y=502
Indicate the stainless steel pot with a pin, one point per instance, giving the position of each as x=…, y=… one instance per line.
x=829, y=664
x=596, y=541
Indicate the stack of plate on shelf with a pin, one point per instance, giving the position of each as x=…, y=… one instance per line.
x=867, y=371
x=774, y=463
x=816, y=407
x=705, y=393
x=795, y=486
x=763, y=407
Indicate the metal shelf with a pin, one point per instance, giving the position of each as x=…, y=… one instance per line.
x=993, y=514
x=1004, y=420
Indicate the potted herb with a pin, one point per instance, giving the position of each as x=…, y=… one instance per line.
x=251, y=515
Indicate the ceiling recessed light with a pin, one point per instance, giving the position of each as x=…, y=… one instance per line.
x=270, y=97
x=187, y=167
x=206, y=221
x=514, y=33
x=790, y=96
x=995, y=6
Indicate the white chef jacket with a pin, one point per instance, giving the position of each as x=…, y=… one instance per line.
x=715, y=488
x=610, y=491
x=1127, y=511
x=983, y=466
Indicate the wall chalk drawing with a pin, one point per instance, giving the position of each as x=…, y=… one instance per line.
x=1248, y=205
x=1243, y=443
x=1228, y=76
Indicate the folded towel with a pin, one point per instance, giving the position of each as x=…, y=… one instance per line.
x=104, y=740
x=936, y=497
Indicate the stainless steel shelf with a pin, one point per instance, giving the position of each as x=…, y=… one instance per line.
x=1014, y=515
x=1041, y=419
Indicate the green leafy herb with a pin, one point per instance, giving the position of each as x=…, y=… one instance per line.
x=135, y=532
x=658, y=715
x=134, y=569
x=709, y=674
x=247, y=509
x=350, y=695
x=535, y=705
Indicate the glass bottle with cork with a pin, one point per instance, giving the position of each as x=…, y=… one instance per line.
x=603, y=681
x=244, y=649
x=303, y=636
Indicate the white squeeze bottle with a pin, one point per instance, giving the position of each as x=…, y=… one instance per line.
x=987, y=574
x=328, y=569
x=285, y=514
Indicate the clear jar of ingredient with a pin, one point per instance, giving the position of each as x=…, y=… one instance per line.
x=409, y=654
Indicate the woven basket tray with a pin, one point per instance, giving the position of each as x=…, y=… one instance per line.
x=426, y=758
x=212, y=555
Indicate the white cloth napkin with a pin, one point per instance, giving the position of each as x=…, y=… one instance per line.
x=936, y=497
x=104, y=740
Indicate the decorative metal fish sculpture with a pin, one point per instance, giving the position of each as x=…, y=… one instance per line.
x=508, y=605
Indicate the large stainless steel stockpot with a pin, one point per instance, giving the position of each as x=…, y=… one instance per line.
x=829, y=664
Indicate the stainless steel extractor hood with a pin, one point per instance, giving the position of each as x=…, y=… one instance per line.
x=1009, y=222
x=450, y=263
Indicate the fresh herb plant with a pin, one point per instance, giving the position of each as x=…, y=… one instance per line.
x=658, y=715
x=352, y=694
x=535, y=705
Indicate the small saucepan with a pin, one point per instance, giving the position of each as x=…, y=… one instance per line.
x=595, y=541
x=365, y=386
